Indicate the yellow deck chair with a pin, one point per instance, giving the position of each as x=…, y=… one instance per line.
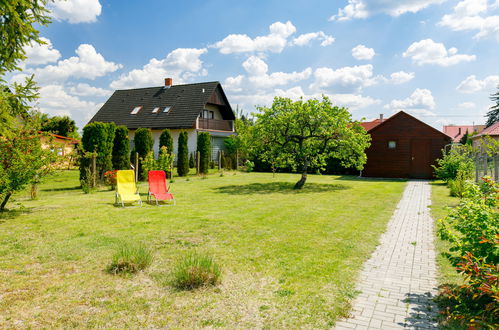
x=126, y=190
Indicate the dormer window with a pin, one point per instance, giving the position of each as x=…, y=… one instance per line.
x=155, y=110
x=167, y=109
x=136, y=110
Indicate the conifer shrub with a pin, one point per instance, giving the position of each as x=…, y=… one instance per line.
x=121, y=149
x=143, y=142
x=166, y=140
x=183, y=154
x=204, y=149
x=192, y=162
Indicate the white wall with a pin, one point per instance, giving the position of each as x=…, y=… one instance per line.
x=216, y=111
x=191, y=143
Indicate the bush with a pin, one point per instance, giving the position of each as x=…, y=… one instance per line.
x=165, y=161
x=121, y=149
x=183, y=154
x=249, y=165
x=143, y=145
x=194, y=271
x=204, y=149
x=166, y=140
x=473, y=232
x=192, y=162
x=98, y=137
x=130, y=258
x=148, y=164
x=457, y=186
x=458, y=159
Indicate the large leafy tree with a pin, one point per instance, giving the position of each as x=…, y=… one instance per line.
x=60, y=125
x=493, y=114
x=22, y=160
x=303, y=134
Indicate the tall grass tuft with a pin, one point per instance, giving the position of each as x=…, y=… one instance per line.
x=194, y=271
x=130, y=258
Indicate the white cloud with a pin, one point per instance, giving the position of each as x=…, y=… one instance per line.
x=234, y=84
x=181, y=64
x=54, y=100
x=472, y=15
x=401, y=77
x=75, y=11
x=41, y=54
x=258, y=77
x=82, y=89
x=361, y=52
x=366, y=8
x=472, y=85
x=87, y=64
x=428, y=51
x=421, y=100
x=274, y=42
x=306, y=38
x=466, y=105
x=351, y=77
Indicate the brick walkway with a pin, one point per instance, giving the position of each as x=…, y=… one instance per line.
x=398, y=281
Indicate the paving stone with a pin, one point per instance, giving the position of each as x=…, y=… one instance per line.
x=399, y=280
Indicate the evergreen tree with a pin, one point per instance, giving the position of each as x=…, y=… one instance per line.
x=121, y=149
x=493, y=114
x=183, y=154
x=192, y=163
x=98, y=137
x=204, y=149
x=165, y=139
x=143, y=145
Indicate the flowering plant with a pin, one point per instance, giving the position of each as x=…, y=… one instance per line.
x=110, y=178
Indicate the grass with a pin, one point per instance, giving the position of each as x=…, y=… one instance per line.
x=442, y=201
x=289, y=258
x=194, y=271
x=130, y=258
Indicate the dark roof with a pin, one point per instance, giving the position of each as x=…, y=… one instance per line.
x=186, y=102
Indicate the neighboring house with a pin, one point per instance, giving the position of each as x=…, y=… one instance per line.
x=403, y=147
x=456, y=132
x=194, y=108
x=63, y=146
x=491, y=131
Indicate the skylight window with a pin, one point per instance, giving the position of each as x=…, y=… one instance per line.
x=136, y=110
x=167, y=109
x=155, y=110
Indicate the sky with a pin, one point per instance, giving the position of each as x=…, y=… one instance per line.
x=435, y=59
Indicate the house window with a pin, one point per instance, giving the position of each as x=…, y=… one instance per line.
x=155, y=110
x=136, y=110
x=392, y=144
x=211, y=115
x=167, y=109
x=207, y=114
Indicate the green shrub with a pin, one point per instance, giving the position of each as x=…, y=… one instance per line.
x=148, y=164
x=194, y=271
x=130, y=258
x=166, y=140
x=457, y=186
x=98, y=137
x=183, y=154
x=143, y=142
x=204, y=149
x=165, y=160
x=458, y=159
x=121, y=149
x=192, y=163
x=249, y=166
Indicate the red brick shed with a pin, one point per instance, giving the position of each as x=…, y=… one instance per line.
x=403, y=147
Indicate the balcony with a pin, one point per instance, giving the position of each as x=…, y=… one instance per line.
x=216, y=125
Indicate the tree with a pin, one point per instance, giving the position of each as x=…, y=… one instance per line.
x=303, y=134
x=183, y=154
x=143, y=145
x=63, y=126
x=204, y=149
x=493, y=114
x=97, y=137
x=165, y=139
x=192, y=163
x=121, y=149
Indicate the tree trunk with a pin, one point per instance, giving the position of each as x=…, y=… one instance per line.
x=34, y=191
x=5, y=200
x=303, y=178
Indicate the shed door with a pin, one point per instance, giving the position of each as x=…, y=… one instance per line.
x=420, y=159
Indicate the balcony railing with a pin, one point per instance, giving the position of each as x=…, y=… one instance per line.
x=214, y=124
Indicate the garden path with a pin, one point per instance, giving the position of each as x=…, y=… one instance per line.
x=399, y=280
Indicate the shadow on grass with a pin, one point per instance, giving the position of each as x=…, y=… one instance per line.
x=11, y=214
x=62, y=189
x=361, y=178
x=423, y=312
x=279, y=187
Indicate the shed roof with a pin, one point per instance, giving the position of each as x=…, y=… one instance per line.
x=456, y=132
x=492, y=130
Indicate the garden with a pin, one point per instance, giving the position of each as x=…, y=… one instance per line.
x=286, y=257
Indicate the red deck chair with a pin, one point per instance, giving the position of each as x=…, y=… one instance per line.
x=157, y=187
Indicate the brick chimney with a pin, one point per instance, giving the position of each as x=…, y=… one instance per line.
x=168, y=82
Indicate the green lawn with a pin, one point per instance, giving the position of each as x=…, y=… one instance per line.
x=442, y=201
x=289, y=258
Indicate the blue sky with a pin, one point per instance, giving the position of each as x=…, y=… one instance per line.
x=436, y=59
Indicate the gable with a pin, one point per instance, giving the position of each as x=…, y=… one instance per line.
x=403, y=124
